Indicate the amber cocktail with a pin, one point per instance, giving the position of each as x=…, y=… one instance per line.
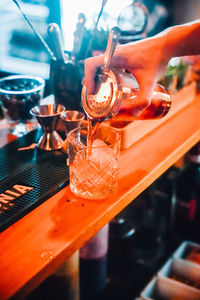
x=93, y=166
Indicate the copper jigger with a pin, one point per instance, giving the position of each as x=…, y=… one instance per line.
x=48, y=117
x=72, y=119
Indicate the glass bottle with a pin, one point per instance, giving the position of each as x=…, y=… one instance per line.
x=93, y=265
x=115, y=96
x=121, y=232
x=187, y=210
x=63, y=284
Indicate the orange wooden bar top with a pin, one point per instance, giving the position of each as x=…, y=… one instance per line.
x=36, y=245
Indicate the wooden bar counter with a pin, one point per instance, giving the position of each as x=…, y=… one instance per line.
x=36, y=245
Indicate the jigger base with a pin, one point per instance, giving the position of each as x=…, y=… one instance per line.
x=50, y=141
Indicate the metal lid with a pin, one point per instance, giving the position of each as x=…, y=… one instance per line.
x=105, y=102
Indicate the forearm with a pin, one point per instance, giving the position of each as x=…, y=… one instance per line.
x=182, y=40
x=147, y=59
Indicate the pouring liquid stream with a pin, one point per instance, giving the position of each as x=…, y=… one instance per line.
x=93, y=125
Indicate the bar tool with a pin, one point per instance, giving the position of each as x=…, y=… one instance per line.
x=48, y=116
x=31, y=146
x=34, y=29
x=72, y=119
x=88, y=50
x=65, y=75
x=55, y=40
x=101, y=106
x=65, y=80
x=111, y=45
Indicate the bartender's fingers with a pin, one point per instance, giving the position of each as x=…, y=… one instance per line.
x=90, y=68
x=91, y=65
x=144, y=96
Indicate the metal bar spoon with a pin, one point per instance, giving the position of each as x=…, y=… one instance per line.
x=35, y=30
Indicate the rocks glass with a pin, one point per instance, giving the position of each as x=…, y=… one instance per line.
x=93, y=169
x=18, y=94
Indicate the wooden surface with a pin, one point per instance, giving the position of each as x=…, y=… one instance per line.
x=40, y=242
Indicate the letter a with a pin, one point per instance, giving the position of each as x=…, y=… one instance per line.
x=22, y=188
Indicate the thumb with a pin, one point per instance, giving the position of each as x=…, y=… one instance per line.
x=88, y=80
x=90, y=68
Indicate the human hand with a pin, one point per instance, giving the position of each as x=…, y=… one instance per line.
x=145, y=59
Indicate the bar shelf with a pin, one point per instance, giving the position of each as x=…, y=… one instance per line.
x=36, y=245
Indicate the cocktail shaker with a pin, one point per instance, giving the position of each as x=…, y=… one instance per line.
x=116, y=92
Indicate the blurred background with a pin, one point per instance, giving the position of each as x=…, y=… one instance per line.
x=84, y=27
x=21, y=52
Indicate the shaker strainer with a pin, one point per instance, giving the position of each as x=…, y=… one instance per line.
x=105, y=101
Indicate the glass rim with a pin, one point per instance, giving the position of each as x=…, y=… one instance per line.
x=35, y=114
x=81, y=115
x=13, y=77
x=71, y=140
